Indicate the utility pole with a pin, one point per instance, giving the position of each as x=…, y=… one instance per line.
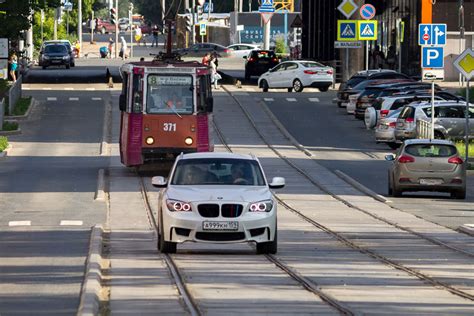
x=193, y=30
x=79, y=25
x=116, y=33
x=461, y=33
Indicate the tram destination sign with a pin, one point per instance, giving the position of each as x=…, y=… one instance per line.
x=156, y=80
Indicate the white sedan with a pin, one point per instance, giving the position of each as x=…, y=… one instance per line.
x=217, y=198
x=296, y=75
x=241, y=50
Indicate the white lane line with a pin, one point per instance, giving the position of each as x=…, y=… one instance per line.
x=73, y=99
x=96, y=99
x=19, y=223
x=71, y=223
x=313, y=99
x=25, y=88
x=69, y=89
x=90, y=89
x=52, y=99
x=46, y=88
x=268, y=99
x=291, y=99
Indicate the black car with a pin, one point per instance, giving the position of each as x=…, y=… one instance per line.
x=64, y=42
x=55, y=55
x=259, y=62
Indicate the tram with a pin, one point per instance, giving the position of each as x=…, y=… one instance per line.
x=166, y=108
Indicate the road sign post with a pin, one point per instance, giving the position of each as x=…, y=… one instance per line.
x=266, y=11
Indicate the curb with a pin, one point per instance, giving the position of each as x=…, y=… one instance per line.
x=10, y=133
x=100, y=193
x=24, y=116
x=90, y=294
x=467, y=228
x=362, y=188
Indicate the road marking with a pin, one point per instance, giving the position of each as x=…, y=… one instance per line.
x=291, y=99
x=25, y=88
x=268, y=99
x=71, y=223
x=19, y=223
x=69, y=89
x=90, y=89
x=73, y=99
x=96, y=99
x=47, y=88
x=52, y=99
x=313, y=99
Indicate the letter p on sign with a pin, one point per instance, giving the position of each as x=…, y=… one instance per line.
x=432, y=57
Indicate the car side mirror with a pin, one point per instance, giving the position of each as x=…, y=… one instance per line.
x=123, y=103
x=390, y=157
x=159, y=182
x=277, y=183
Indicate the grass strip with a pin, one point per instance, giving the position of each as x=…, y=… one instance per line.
x=22, y=106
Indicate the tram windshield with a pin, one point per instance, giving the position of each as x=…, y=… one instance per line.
x=167, y=94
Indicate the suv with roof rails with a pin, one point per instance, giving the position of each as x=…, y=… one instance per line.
x=449, y=119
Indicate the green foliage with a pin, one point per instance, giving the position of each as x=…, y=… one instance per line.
x=4, y=86
x=462, y=148
x=48, y=28
x=10, y=126
x=280, y=46
x=22, y=106
x=3, y=143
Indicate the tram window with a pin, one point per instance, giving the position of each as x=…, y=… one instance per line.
x=124, y=94
x=137, y=94
x=204, y=92
x=169, y=94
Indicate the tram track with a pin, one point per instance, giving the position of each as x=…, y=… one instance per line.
x=346, y=241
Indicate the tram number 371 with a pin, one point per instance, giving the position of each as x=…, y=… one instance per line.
x=169, y=127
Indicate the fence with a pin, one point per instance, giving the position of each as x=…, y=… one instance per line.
x=423, y=129
x=14, y=94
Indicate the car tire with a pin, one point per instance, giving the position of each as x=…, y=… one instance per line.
x=164, y=246
x=68, y=66
x=324, y=89
x=269, y=247
x=297, y=85
x=390, y=191
x=247, y=76
x=459, y=194
x=290, y=89
x=264, y=85
x=44, y=67
x=395, y=191
x=339, y=105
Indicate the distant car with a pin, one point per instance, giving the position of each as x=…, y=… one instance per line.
x=259, y=62
x=296, y=75
x=104, y=26
x=217, y=198
x=241, y=50
x=385, y=130
x=427, y=165
x=124, y=24
x=55, y=55
x=200, y=49
x=64, y=42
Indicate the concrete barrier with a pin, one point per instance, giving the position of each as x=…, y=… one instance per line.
x=14, y=94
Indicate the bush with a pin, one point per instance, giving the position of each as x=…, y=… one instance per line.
x=21, y=106
x=10, y=126
x=280, y=45
x=3, y=143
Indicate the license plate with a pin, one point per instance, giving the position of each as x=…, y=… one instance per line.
x=220, y=226
x=431, y=181
x=264, y=62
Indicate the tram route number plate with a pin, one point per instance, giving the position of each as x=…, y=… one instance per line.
x=229, y=226
x=431, y=181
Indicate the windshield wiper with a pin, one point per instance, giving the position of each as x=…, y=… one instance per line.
x=174, y=110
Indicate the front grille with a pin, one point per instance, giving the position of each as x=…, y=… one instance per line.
x=208, y=210
x=220, y=236
x=231, y=210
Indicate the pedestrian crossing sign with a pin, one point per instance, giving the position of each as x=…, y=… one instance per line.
x=347, y=30
x=367, y=30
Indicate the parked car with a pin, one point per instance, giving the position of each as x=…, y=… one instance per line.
x=64, y=42
x=385, y=130
x=200, y=49
x=55, y=55
x=296, y=75
x=449, y=119
x=217, y=197
x=241, y=50
x=124, y=24
x=259, y=62
x=104, y=26
x=427, y=165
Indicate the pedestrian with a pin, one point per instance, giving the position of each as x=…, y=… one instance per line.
x=123, y=48
x=13, y=61
x=391, y=57
x=215, y=76
x=206, y=59
x=216, y=61
x=377, y=58
x=154, y=32
x=77, y=48
x=138, y=35
x=111, y=45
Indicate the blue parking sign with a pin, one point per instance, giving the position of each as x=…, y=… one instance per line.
x=432, y=57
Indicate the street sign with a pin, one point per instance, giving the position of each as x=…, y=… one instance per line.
x=297, y=22
x=347, y=30
x=67, y=6
x=432, y=74
x=367, y=30
x=206, y=7
x=267, y=6
x=202, y=28
x=367, y=11
x=266, y=16
x=347, y=8
x=432, y=57
x=465, y=63
x=432, y=34
x=338, y=44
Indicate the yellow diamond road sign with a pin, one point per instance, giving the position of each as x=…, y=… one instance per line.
x=347, y=8
x=465, y=63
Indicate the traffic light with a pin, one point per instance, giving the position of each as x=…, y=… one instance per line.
x=199, y=11
x=189, y=22
x=113, y=16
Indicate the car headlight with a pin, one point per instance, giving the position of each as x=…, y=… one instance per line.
x=178, y=206
x=261, y=206
x=65, y=57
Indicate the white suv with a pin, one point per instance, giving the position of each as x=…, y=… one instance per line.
x=217, y=198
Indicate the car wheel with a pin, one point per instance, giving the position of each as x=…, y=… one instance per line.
x=165, y=246
x=459, y=195
x=393, y=145
x=297, y=85
x=73, y=65
x=390, y=191
x=324, y=89
x=44, y=67
x=247, y=76
x=438, y=135
x=290, y=89
x=339, y=104
x=269, y=247
x=395, y=191
x=68, y=66
x=264, y=86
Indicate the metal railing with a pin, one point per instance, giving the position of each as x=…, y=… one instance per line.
x=423, y=129
x=14, y=94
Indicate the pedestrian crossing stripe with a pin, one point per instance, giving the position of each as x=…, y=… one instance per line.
x=347, y=30
x=367, y=30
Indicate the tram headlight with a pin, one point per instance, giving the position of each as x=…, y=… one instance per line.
x=150, y=140
x=188, y=141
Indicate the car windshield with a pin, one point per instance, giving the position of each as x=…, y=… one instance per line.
x=311, y=64
x=169, y=94
x=221, y=171
x=430, y=150
x=55, y=49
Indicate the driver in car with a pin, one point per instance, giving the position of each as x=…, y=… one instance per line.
x=238, y=174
